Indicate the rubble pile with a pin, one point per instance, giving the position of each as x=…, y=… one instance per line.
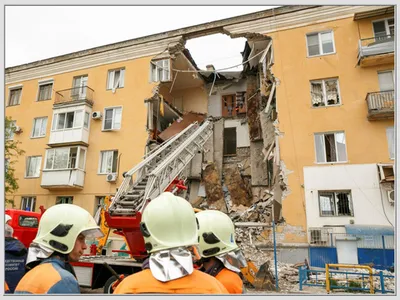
x=260, y=211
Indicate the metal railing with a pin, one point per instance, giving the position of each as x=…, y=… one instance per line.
x=83, y=93
x=375, y=46
x=350, y=281
x=381, y=101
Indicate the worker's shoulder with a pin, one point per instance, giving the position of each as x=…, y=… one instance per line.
x=211, y=280
x=228, y=274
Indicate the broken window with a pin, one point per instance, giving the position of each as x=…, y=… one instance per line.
x=228, y=105
x=335, y=203
x=325, y=92
x=115, y=79
x=230, y=141
x=320, y=43
x=330, y=147
x=160, y=70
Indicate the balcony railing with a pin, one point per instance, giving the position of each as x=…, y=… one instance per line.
x=380, y=105
x=76, y=94
x=375, y=46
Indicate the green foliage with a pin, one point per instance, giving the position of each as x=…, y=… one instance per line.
x=355, y=284
x=11, y=152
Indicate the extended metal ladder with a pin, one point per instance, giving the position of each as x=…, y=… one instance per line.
x=158, y=169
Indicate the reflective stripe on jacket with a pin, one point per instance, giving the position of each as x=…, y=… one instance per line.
x=231, y=281
x=50, y=277
x=14, y=262
x=6, y=289
x=143, y=282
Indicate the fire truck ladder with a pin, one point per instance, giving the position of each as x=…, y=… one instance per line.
x=158, y=169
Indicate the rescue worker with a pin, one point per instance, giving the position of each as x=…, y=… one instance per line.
x=221, y=256
x=60, y=239
x=15, y=259
x=170, y=229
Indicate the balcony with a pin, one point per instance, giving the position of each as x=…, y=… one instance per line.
x=376, y=51
x=380, y=105
x=63, y=179
x=77, y=95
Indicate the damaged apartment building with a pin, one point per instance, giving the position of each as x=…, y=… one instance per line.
x=289, y=130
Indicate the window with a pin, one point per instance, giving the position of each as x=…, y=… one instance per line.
x=33, y=166
x=230, y=141
x=112, y=119
x=45, y=90
x=65, y=158
x=390, y=138
x=333, y=204
x=320, y=43
x=330, y=147
x=79, y=86
x=14, y=96
x=28, y=203
x=39, y=127
x=64, y=200
x=386, y=80
x=108, y=162
x=68, y=120
x=160, y=70
x=115, y=79
x=383, y=29
x=25, y=221
x=86, y=121
x=10, y=130
x=99, y=202
x=325, y=92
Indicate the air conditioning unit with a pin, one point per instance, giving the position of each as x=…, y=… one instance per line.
x=96, y=115
x=111, y=177
x=17, y=129
x=391, y=196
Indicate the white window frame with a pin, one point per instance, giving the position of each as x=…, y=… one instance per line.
x=336, y=150
x=394, y=82
x=38, y=165
x=30, y=200
x=391, y=143
x=113, y=108
x=77, y=162
x=45, y=82
x=386, y=21
x=54, y=122
x=11, y=88
x=99, y=171
x=12, y=132
x=166, y=71
x=41, y=122
x=325, y=98
x=320, y=43
x=110, y=78
x=335, y=212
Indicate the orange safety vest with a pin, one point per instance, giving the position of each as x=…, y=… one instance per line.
x=6, y=288
x=143, y=282
x=231, y=281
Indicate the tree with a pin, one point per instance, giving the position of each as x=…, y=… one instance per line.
x=11, y=153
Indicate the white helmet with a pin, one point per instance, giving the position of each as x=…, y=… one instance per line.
x=8, y=218
x=61, y=224
x=168, y=222
x=216, y=233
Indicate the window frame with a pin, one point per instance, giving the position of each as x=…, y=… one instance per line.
x=32, y=198
x=154, y=68
x=12, y=132
x=54, y=122
x=27, y=165
x=77, y=159
x=320, y=43
x=325, y=98
x=393, y=81
x=113, y=119
x=335, y=212
x=386, y=22
x=391, y=144
x=12, y=88
x=45, y=82
x=33, y=127
x=112, y=160
x=112, y=71
x=225, y=141
x=336, y=150
x=66, y=197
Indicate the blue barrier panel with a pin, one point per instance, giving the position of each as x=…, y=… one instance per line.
x=376, y=256
x=319, y=256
